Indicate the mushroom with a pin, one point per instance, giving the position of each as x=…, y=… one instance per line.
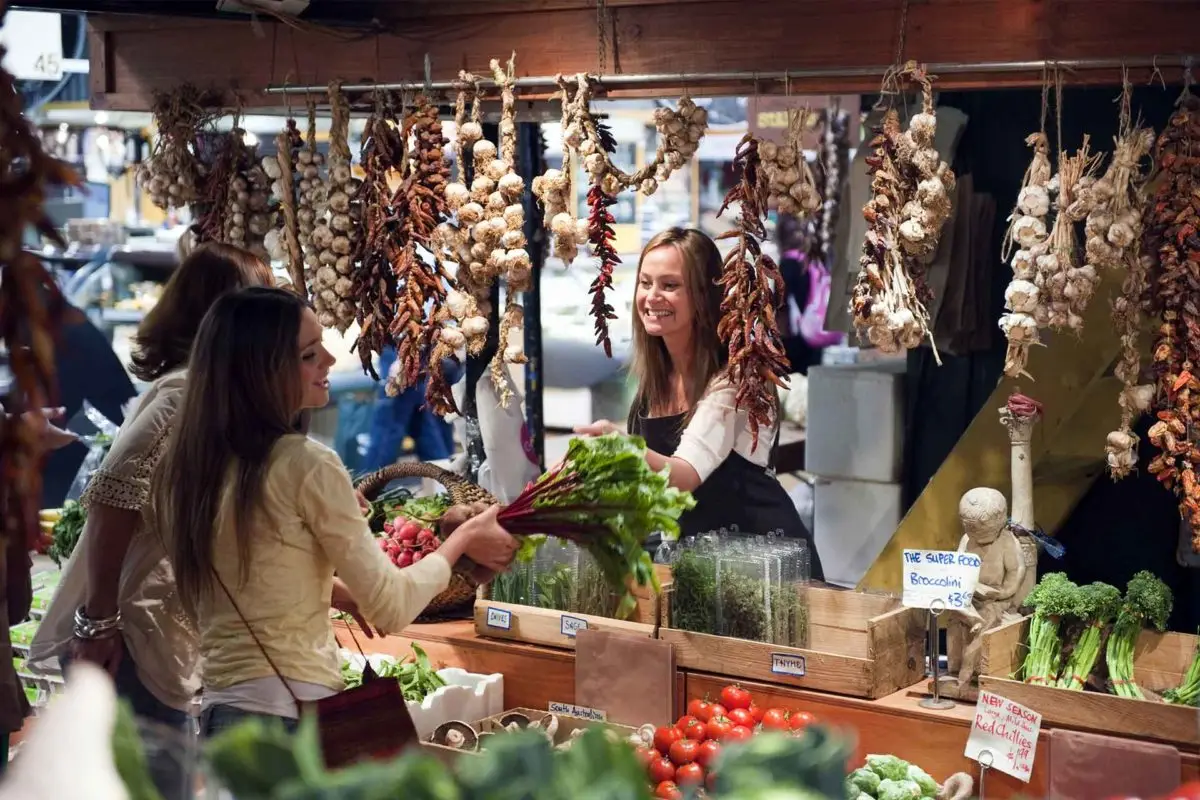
x=456, y=734
x=514, y=718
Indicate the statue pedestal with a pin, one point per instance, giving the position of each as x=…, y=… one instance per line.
x=950, y=687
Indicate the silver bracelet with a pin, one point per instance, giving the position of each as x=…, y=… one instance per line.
x=88, y=628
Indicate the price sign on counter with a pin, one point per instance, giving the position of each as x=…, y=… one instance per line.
x=939, y=579
x=1004, y=735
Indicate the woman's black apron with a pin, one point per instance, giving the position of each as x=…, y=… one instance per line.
x=737, y=493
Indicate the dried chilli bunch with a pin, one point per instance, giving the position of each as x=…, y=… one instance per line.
x=172, y=174
x=508, y=216
x=283, y=240
x=751, y=284
x=30, y=309
x=339, y=239
x=911, y=188
x=553, y=188
x=1065, y=286
x=1172, y=240
x=312, y=199
x=1027, y=230
x=790, y=182
x=374, y=285
x=1114, y=234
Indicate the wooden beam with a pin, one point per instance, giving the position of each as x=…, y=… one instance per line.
x=141, y=55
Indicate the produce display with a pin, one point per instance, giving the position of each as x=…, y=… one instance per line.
x=886, y=777
x=30, y=308
x=553, y=188
x=752, y=287
x=746, y=587
x=1072, y=625
x=406, y=542
x=1172, y=239
x=234, y=206
x=912, y=190
x=415, y=674
x=67, y=528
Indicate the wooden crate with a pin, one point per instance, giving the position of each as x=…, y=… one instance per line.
x=554, y=628
x=861, y=645
x=1160, y=661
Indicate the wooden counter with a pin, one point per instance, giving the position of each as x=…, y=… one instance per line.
x=536, y=676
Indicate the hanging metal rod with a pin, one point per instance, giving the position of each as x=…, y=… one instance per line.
x=705, y=78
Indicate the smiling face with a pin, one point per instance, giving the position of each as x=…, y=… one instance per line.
x=315, y=362
x=663, y=302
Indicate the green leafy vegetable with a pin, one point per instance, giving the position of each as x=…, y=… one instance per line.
x=67, y=531
x=425, y=509
x=415, y=674
x=1054, y=598
x=605, y=498
x=129, y=756
x=1098, y=604
x=1147, y=603
x=1188, y=692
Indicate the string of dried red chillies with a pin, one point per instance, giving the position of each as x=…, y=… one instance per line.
x=752, y=284
x=1172, y=233
x=384, y=238
x=30, y=309
x=601, y=236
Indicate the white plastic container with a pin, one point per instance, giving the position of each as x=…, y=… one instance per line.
x=467, y=696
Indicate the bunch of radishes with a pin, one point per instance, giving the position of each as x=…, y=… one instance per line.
x=681, y=755
x=406, y=541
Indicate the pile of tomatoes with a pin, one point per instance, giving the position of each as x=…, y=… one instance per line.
x=683, y=754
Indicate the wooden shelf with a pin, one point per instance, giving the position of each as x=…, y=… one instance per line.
x=536, y=676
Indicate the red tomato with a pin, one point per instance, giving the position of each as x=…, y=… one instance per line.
x=799, y=720
x=735, y=696
x=684, y=751
x=699, y=709
x=661, y=769
x=719, y=728
x=710, y=781
x=696, y=731
x=664, y=737
x=668, y=791
x=645, y=755
x=756, y=711
x=683, y=722
x=717, y=710
x=739, y=733
x=690, y=775
x=708, y=753
x=740, y=716
x=774, y=719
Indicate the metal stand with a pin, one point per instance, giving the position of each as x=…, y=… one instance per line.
x=936, y=702
x=985, y=759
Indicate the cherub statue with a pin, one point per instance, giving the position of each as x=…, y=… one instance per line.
x=984, y=516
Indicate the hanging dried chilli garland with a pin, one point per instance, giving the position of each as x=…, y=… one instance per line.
x=1027, y=230
x=379, y=309
x=1171, y=237
x=312, y=198
x=911, y=188
x=751, y=285
x=30, y=309
x=283, y=241
x=172, y=174
x=601, y=236
x=1114, y=237
x=340, y=239
x=553, y=188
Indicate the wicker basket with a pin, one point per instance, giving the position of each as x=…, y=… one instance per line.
x=459, y=596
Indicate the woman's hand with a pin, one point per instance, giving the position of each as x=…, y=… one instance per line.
x=600, y=427
x=456, y=515
x=488, y=544
x=105, y=653
x=344, y=602
x=50, y=437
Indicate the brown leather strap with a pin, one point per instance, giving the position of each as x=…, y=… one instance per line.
x=257, y=641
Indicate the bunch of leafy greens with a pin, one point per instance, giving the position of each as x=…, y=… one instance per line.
x=67, y=531
x=605, y=498
x=1147, y=604
x=1098, y=603
x=1054, y=598
x=258, y=761
x=1187, y=693
x=415, y=674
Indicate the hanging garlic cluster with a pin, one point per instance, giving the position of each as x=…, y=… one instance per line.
x=283, y=240
x=172, y=174
x=679, y=133
x=1065, y=285
x=246, y=219
x=311, y=199
x=790, y=181
x=923, y=216
x=1028, y=231
x=553, y=188
x=336, y=238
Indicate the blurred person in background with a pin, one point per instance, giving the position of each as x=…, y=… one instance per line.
x=405, y=415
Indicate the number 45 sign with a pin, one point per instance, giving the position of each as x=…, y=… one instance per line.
x=33, y=40
x=939, y=579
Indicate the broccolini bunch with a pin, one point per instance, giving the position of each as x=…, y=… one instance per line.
x=1147, y=603
x=1097, y=605
x=1054, y=598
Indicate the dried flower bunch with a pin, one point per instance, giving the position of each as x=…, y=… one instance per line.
x=1172, y=239
x=1114, y=238
x=911, y=202
x=752, y=286
x=338, y=237
x=283, y=240
x=173, y=175
x=30, y=308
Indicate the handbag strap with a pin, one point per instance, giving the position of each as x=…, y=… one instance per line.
x=257, y=641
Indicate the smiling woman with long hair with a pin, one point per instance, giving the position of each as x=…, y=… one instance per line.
x=260, y=517
x=684, y=406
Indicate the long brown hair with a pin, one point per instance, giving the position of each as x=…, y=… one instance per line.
x=650, y=363
x=243, y=394
x=164, y=339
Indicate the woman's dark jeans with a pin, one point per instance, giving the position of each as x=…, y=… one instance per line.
x=219, y=718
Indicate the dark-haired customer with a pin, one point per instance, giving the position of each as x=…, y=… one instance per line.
x=255, y=548
x=116, y=605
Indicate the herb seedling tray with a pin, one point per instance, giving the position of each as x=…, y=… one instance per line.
x=860, y=645
x=1160, y=661
x=552, y=628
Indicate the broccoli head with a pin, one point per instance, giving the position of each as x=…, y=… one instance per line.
x=1099, y=602
x=1054, y=596
x=1148, y=600
x=922, y=779
x=888, y=767
x=866, y=781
